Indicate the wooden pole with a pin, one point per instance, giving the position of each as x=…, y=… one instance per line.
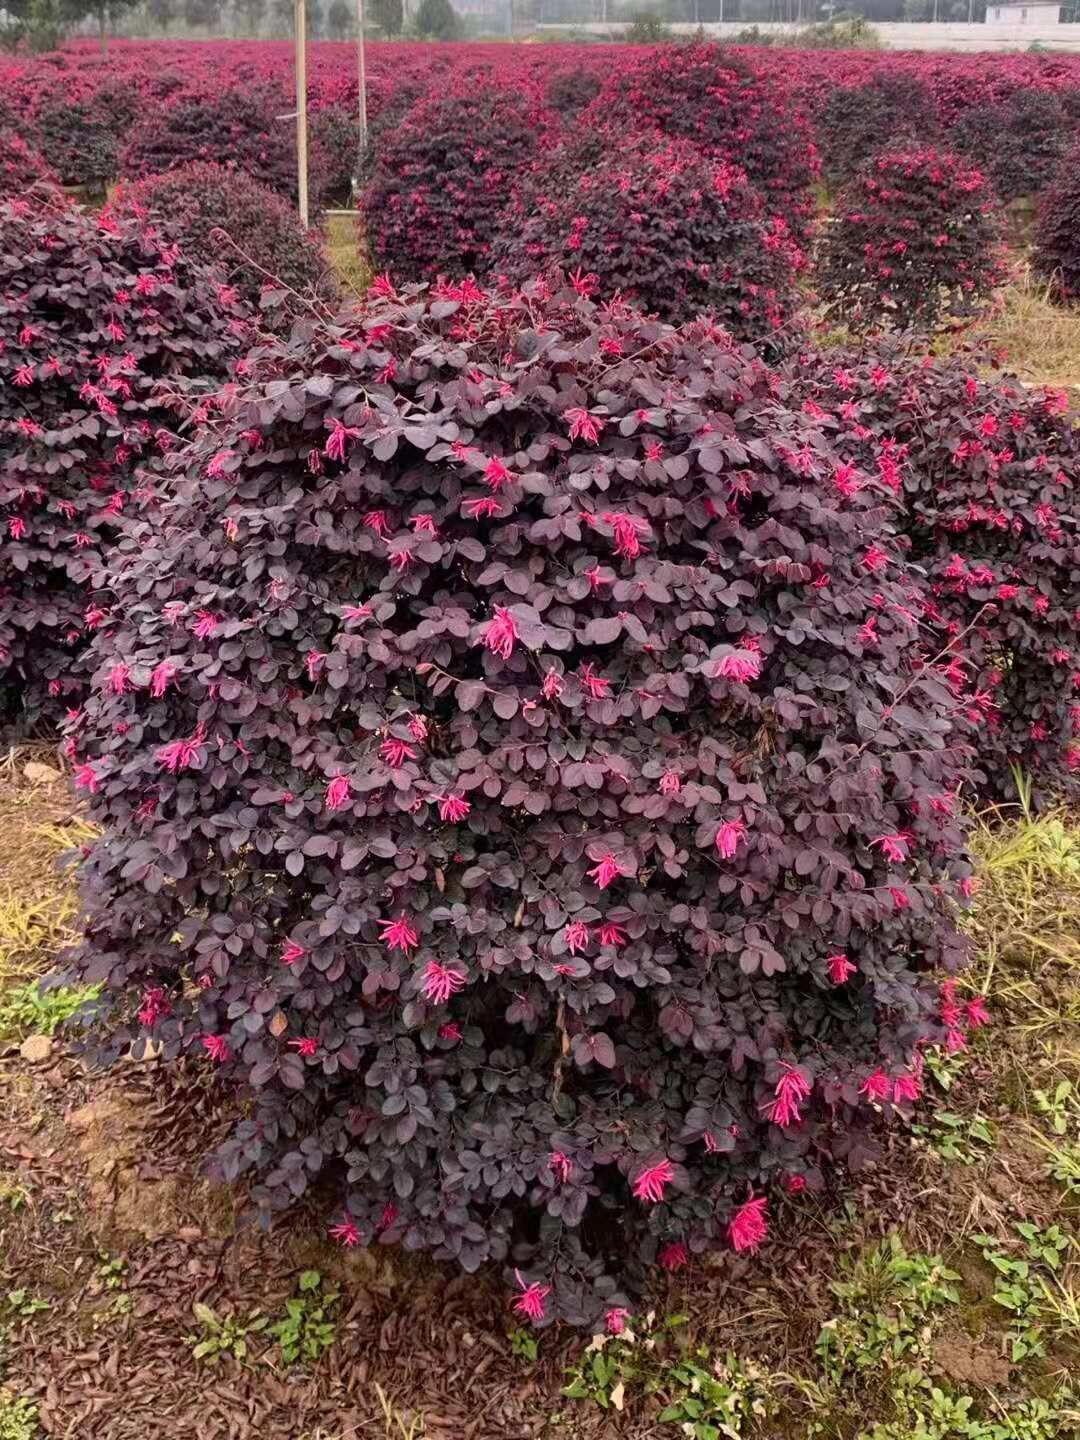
x=361, y=74
x=300, y=40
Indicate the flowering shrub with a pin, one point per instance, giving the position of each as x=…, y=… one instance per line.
x=77, y=141
x=336, y=132
x=1019, y=142
x=1056, y=255
x=527, y=789
x=22, y=169
x=662, y=223
x=889, y=110
x=437, y=180
x=915, y=241
x=570, y=90
x=709, y=94
x=235, y=128
x=201, y=201
x=93, y=315
x=986, y=471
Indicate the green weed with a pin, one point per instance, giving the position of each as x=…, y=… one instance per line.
x=307, y=1329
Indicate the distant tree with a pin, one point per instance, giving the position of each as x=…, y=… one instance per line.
x=160, y=14
x=314, y=14
x=200, y=12
x=437, y=20
x=389, y=16
x=250, y=14
x=281, y=13
x=339, y=20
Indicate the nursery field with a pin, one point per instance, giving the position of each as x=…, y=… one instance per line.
x=540, y=745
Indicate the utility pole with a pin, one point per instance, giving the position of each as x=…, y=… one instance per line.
x=361, y=75
x=300, y=41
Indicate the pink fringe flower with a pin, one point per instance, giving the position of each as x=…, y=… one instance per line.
x=453, y=808
x=728, y=837
x=86, y=778
x=595, y=685
x=395, y=752
x=338, y=792
x=605, y=871
x=576, y=936
x=532, y=1302
x=840, y=968
x=119, y=679
x=217, y=1047
x=650, y=1184
x=893, y=847
x=181, y=754
x=291, y=952
x=399, y=934
x=500, y=633
x=155, y=1006
x=611, y=934
x=615, y=1320
x=876, y=1087
x=670, y=783
x=791, y=1091
x=906, y=1088
x=496, y=475
x=450, y=1031
x=441, y=983
x=977, y=1013
x=742, y=665
x=346, y=1233
x=206, y=624
x=307, y=1046
x=161, y=678
x=749, y=1225
x=583, y=426
x=674, y=1256
x=562, y=1167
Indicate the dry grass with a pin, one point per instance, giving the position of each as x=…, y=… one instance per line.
x=345, y=255
x=1041, y=340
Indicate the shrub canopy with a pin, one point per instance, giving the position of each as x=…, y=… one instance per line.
x=525, y=784
x=915, y=241
x=97, y=320
x=1056, y=255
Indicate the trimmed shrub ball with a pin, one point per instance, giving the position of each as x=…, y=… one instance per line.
x=78, y=140
x=201, y=201
x=503, y=781
x=99, y=326
x=677, y=232
x=1019, y=142
x=986, y=470
x=237, y=128
x=437, y=181
x=708, y=94
x=571, y=89
x=22, y=170
x=1056, y=255
x=915, y=242
x=888, y=111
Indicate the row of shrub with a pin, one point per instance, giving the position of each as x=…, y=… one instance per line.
x=121, y=116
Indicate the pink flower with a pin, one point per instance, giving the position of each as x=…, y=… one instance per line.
x=291, y=951
x=597, y=687
x=182, y=754
x=899, y=898
x=893, y=847
x=794, y=1184
x=450, y=1031
x=532, y=1302
x=741, y=665
x=337, y=446
x=749, y=1226
x=650, y=1183
x=583, y=426
x=674, y=1256
x=346, y=1233
x=840, y=968
x=629, y=531
x=118, y=679
x=977, y=1013
x=418, y=728
x=615, y=1320
x=500, y=633
x=376, y=520
x=206, y=623
x=562, y=1166
x=670, y=783
x=217, y=1047
x=216, y=468
x=728, y=837
x=155, y=1006
x=791, y=1090
x=338, y=792
x=307, y=1046
x=399, y=934
x=314, y=661
x=553, y=685
x=876, y=1087
x=875, y=559
x=453, y=808
x=576, y=936
x=17, y=527
x=605, y=871
x=906, y=1087
x=388, y=1216
x=481, y=507
x=160, y=678
x=611, y=934
x=395, y=752
x=440, y=983
x=496, y=475
x=353, y=614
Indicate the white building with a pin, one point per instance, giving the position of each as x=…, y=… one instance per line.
x=1024, y=12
